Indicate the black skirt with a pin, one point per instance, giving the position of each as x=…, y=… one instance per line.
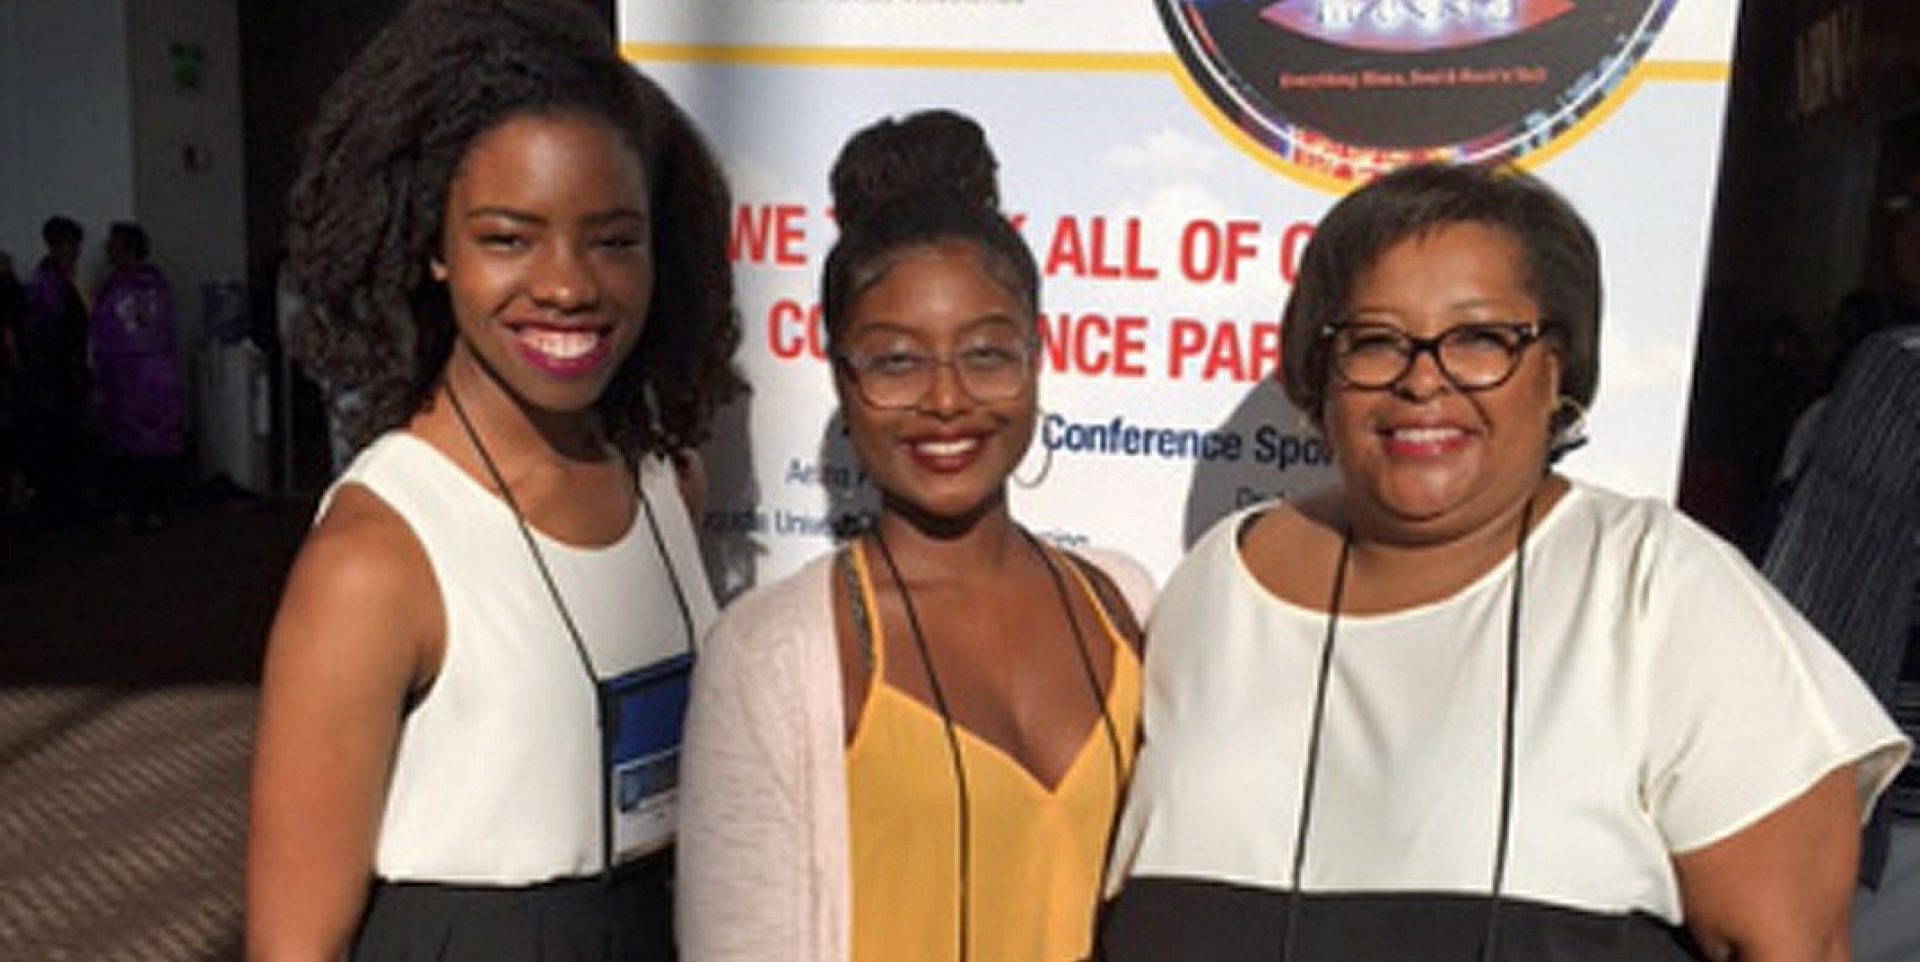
x=625, y=917
x=1173, y=920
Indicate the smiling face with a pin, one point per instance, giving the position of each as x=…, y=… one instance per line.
x=1422, y=461
x=546, y=256
x=945, y=457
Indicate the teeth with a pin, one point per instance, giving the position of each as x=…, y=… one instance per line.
x=1425, y=435
x=560, y=345
x=946, y=449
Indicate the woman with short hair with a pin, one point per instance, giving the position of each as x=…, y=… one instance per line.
x=1457, y=705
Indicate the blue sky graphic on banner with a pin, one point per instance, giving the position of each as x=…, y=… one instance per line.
x=1168, y=220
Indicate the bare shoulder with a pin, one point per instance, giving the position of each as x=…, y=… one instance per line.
x=363, y=549
x=1124, y=586
x=361, y=592
x=1120, y=574
x=357, y=626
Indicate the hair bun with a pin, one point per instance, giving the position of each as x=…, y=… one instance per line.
x=932, y=152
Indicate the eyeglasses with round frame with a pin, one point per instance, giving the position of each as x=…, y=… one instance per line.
x=988, y=372
x=1479, y=356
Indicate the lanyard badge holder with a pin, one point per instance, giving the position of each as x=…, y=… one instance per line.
x=640, y=714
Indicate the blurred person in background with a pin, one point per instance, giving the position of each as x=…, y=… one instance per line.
x=13, y=313
x=1846, y=550
x=137, y=378
x=53, y=355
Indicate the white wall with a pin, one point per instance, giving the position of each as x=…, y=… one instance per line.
x=193, y=208
x=66, y=145
x=95, y=124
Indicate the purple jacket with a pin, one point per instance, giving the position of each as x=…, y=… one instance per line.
x=134, y=313
x=135, y=372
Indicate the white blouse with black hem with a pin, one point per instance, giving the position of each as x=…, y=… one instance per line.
x=1667, y=699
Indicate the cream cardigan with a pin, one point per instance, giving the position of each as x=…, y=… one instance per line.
x=762, y=863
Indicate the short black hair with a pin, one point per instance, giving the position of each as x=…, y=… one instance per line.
x=365, y=213
x=58, y=230
x=1562, y=264
x=905, y=184
x=131, y=234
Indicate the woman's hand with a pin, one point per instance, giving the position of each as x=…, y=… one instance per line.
x=358, y=628
x=1779, y=889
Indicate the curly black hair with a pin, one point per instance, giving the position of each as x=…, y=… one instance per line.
x=134, y=236
x=365, y=214
x=909, y=183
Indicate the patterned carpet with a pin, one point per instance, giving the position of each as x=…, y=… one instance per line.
x=123, y=819
x=127, y=669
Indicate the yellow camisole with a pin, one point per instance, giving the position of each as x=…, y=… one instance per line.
x=1037, y=852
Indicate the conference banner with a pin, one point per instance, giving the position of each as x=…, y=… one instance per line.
x=1167, y=161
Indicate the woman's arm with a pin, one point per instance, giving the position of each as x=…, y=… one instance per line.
x=1763, y=751
x=1779, y=889
x=358, y=628
x=743, y=889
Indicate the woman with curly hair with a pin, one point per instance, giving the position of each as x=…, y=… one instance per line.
x=511, y=248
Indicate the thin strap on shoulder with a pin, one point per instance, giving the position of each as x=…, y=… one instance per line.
x=851, y=562
x=1100, y=592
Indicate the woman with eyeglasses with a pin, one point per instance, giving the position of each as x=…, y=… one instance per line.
x=914, y=747
x=1458, y=706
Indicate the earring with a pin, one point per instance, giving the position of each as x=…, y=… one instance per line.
x=438, y=269
x=1567, y=426
x=1046, y=468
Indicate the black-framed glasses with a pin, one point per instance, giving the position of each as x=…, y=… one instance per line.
x=989, y=371
x=1473, y=357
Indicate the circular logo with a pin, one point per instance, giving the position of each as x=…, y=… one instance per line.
x=1343, y=89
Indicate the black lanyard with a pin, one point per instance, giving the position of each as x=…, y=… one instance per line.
x=1490, y=941
x=602, y=708
x=964, y=819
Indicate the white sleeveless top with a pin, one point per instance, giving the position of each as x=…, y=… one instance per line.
x=497, y=775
